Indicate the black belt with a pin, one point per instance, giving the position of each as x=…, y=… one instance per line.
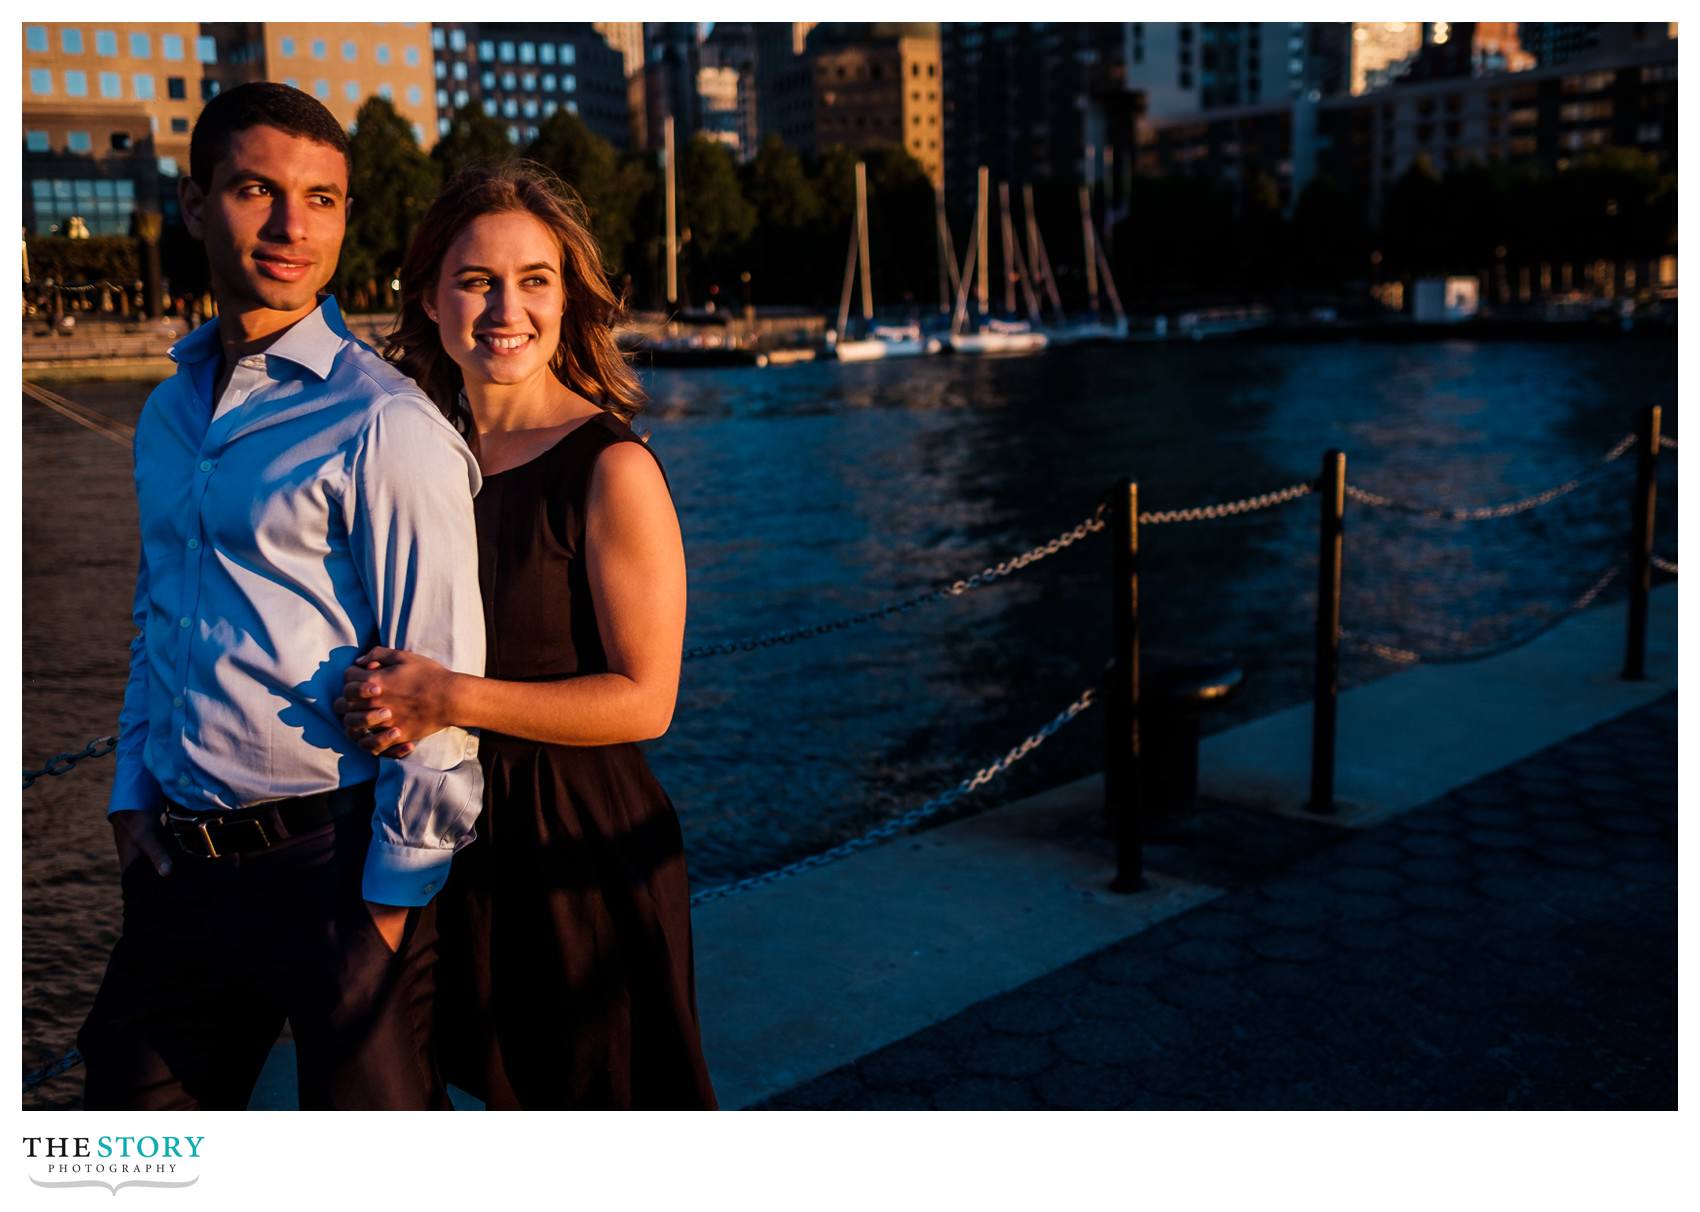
x=261, y=826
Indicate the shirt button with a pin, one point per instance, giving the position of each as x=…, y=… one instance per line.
x=184, y=622
x=182, y=780
x=431, y=887
x=194, y=544
x=206, y=464
x=177, y=701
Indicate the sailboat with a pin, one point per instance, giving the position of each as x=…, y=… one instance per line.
x=881, y=340
x=1066, y=331
x=994, y=336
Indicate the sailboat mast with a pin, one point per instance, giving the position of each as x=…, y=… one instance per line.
x=959, y=317
x=1039, y=258
x=948, y=278
x=983, y=283
x=1088, y=246
x=1007, y=231
x=862, y=239
x=672, y=216
x=849, y=277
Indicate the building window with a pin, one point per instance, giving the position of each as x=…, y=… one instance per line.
x=36, y=141
x=78, y=141
x=546, y=53
x=141, y=46
x=443, y=125
x=411, y=54
x=318, y=48
x=460, y=97
x=529, y=108
x=141, y=86
x=459, y=71
x=414, y=95
x=176, y=88
x=168, y=166
x=486, y=52
x=35, y=38
x=510, y=108
x=206, y=49
x=548, y=82
x=209, y=88
x=513, y=134
x=488, y=79
x=76, y=84
x=489, y=107
x=386, y=92
x=442, y=97
x=121, y=139
x=351, y=90
x=572, y=107
x=350, y=52
x=105, y=43
x=457, y=39
x=505, y=52
x=567, y=54
x=383, y=54
x=569, y=84
x=286, y=47
x=438, y=41
x=180, y=126
x=527, y=53
x=171, y=46
x=418, y=134
x=71, y=41
x=508, y=80
x=322, y=89
x=41, y=82
x=442, y=70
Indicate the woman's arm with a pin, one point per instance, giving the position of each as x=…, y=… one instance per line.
x=635, y=561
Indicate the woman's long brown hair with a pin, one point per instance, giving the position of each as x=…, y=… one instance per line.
x=587, y=359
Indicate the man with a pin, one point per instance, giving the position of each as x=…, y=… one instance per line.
x=300, y=500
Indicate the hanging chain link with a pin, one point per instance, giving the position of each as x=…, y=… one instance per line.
x=1662, y=564
x=1405, y=656
x=1666, y=442
x=907, y=820
x=64, y=763
x=1092, y=524
x=1486, y=512
x=35, y=1077
x=1228, y=509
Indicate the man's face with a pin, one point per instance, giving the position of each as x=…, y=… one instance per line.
x=272, y=219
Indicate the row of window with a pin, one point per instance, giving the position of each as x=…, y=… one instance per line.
x=111, y=85
x=527, y=52
x=511, y=108
x=528, y=82
x=351, y=90
x=350, y=52
x=106, y=207
x=71, y=42
x=454, y=39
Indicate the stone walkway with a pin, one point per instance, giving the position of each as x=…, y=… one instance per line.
x=1510, y=945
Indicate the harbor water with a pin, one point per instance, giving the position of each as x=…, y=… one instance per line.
x=813, y=492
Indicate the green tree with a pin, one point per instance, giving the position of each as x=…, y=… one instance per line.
x=1413, y=236
x=1328, y=236
x=474, y=137
x=393, y=184
x=588, y=162
x=786, y=263
x=714, y=211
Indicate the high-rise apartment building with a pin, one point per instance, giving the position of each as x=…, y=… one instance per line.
x=1556, y=42
x=726, y=86
x=1382, y=51
x=784, y=84
x=880, y=84
x=523, y=73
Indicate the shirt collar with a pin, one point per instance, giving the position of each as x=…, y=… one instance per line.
x=313, y=341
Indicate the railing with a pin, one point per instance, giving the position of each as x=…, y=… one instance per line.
x=1120, y=515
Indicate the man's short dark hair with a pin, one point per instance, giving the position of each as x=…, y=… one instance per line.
x=262, y=103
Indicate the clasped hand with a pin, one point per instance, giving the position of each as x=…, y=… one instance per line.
x=390, y=699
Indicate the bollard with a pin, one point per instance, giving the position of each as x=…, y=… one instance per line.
x=1324, y=712
x=1121, y=716
x=1641, y=541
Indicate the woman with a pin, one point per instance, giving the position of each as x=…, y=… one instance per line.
x=566, y=977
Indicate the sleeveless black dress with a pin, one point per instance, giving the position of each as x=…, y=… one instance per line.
x=565, y=976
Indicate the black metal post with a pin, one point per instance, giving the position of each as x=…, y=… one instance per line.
x=1121, y=756
x=1641, y=541
x=1324, y=713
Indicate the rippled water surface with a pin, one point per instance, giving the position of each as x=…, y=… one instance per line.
x=812, y=492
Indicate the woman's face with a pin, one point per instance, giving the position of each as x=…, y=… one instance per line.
x=499, y=299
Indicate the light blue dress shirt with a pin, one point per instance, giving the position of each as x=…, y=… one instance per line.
x=326, y=508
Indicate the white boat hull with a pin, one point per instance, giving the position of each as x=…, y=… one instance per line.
x=999, y=342
x=874, y=349
x=1079, y=334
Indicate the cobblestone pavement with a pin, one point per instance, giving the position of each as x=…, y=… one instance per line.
x=1510, y=945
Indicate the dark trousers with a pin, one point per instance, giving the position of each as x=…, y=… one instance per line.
x=217, y=956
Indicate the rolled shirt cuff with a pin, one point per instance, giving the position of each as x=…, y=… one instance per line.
x=405, y=875
x=134, y=789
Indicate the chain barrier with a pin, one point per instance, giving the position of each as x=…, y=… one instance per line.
x=88, y=418
x=1662, y=564
x=908, y=819
x=1092, y=524
x=35, y=1077
x=1209, y=513
x=1666, y=442
x=1486, y=512
x=64, y=763
x=1405, y=656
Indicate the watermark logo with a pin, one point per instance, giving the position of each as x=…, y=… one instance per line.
x=113, y=1162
